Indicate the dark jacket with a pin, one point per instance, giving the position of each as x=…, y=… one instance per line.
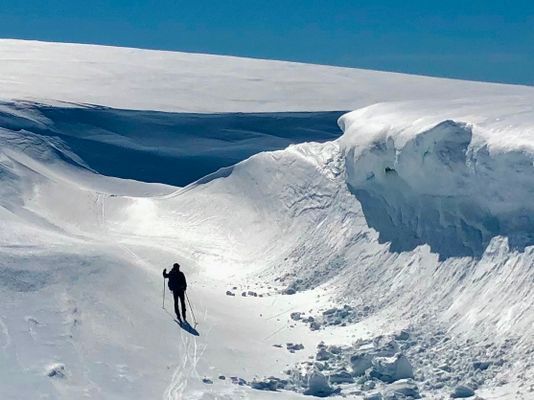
x=176, y=280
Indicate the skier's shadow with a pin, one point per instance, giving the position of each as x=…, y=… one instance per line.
x=188, y=328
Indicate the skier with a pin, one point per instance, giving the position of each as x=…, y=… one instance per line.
x=177, y=285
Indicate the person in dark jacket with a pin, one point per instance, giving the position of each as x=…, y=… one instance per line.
x=177, y=285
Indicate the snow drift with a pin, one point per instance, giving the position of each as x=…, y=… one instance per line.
x=451, y=184
x=170, y=148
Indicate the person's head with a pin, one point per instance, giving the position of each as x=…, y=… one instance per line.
x=176, y=265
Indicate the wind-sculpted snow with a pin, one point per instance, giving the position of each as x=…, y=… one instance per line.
x=416, y=223
x=418, y=220
x=453, y=185
x=169, y=148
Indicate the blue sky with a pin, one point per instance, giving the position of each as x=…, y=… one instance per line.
x=470, y=39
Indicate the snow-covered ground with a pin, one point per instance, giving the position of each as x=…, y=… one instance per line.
x=184, y=82
x=172, y=148
x=400, y=256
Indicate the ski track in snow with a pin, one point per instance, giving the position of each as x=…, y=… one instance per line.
x=187, y=369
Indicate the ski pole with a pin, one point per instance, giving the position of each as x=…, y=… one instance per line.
x=191, y=308
x=163, y=306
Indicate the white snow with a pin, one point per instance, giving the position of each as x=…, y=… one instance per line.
x=173, y=81
x=420, y=217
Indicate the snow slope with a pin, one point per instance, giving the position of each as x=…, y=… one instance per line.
x=182, y=82
x=170, y=148
x=418, y=218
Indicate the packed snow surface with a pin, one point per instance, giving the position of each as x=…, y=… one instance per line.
x=393, y=262
x=184, y=82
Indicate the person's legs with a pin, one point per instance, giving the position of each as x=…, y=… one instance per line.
x=182, y=300
x=175, y=294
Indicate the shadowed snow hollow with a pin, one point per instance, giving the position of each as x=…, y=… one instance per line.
x=170, y=148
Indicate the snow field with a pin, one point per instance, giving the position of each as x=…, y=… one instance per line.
x=406, y=245
x=60, y=73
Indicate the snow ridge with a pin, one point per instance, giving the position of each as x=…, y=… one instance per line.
x=441, y=190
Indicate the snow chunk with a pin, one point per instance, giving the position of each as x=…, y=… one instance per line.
x=403, y=387
x=56, y=370
x=402, y=335
x=271, y=384
x=481, y=365
x=295, y=316
x=318, y=385
x=361, y=362
x=391, y=369
x=462, y=391
x=373, y=396
x=292, y=347
x=341, y=377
